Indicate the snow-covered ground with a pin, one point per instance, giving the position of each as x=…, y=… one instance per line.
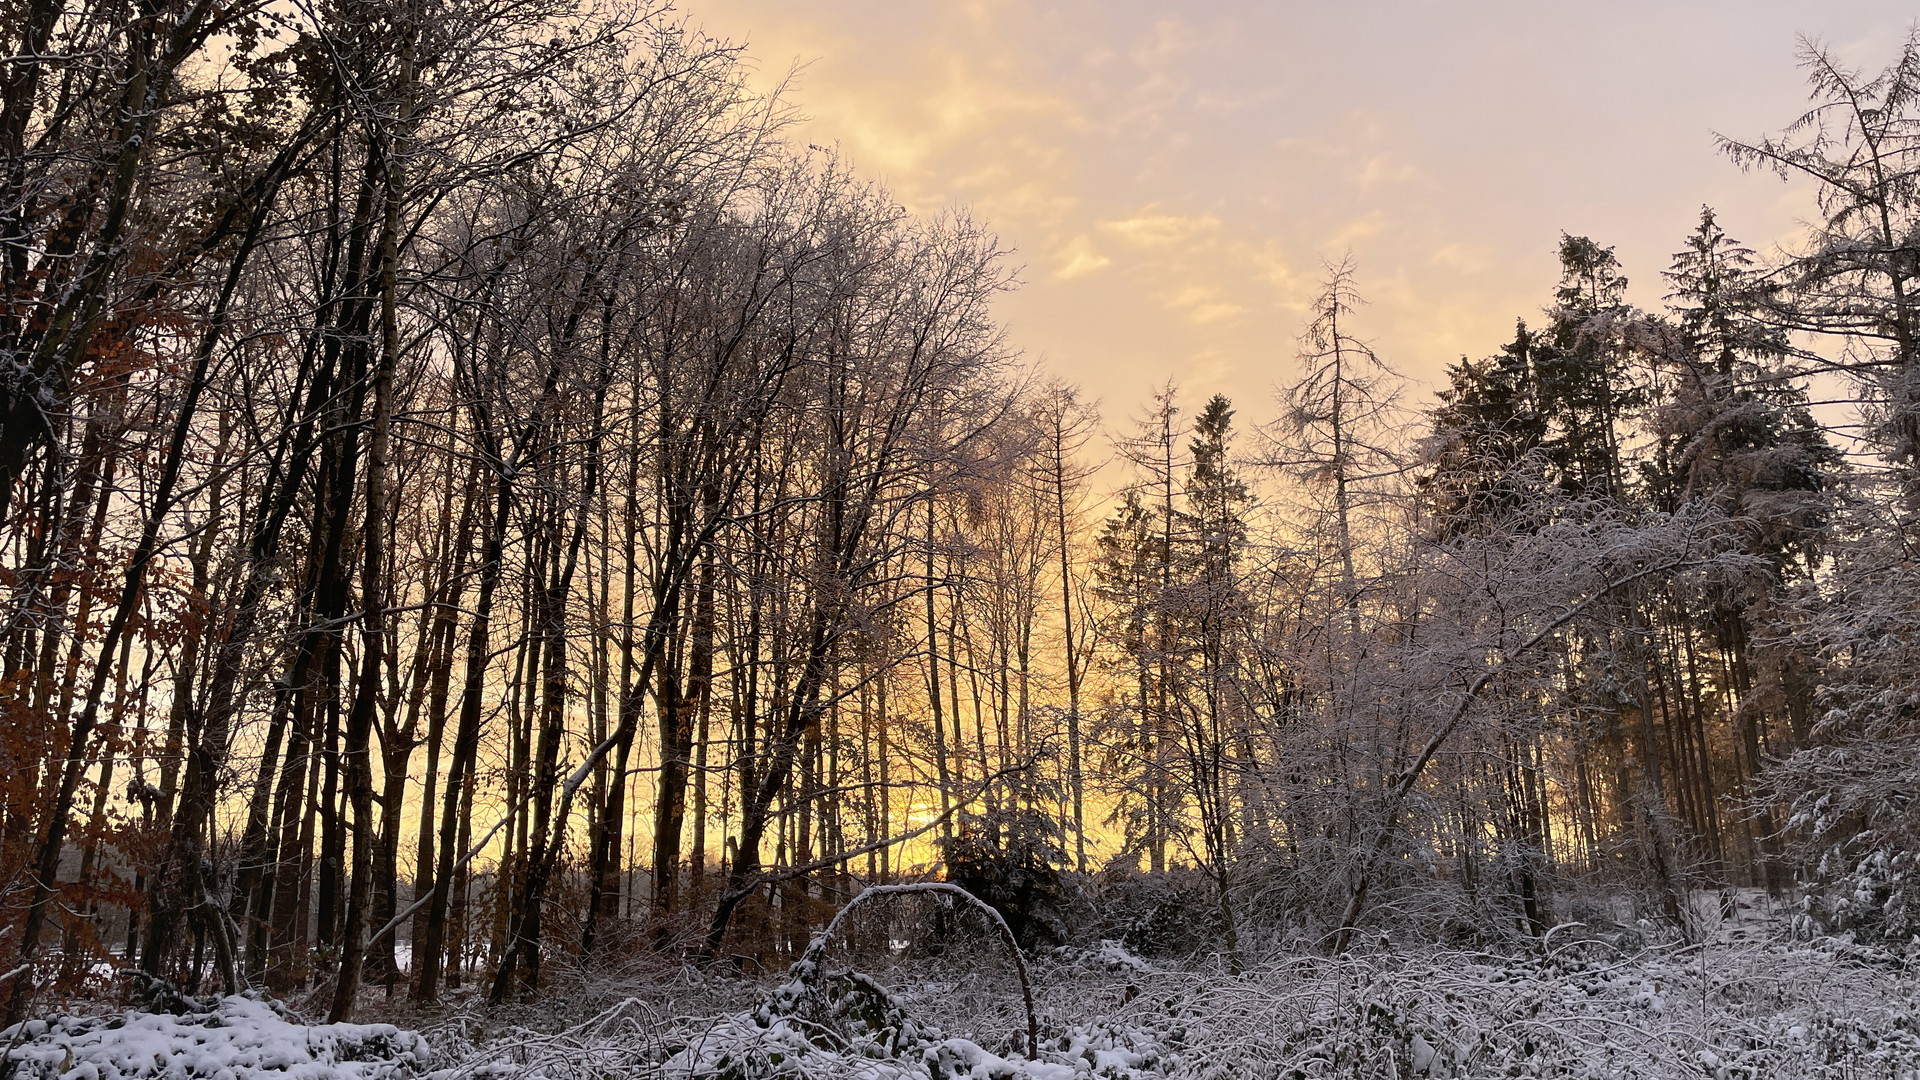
x=1779, y=1010
x=1746, y=1002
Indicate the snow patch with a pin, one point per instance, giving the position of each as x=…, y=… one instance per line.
x=240, y=1038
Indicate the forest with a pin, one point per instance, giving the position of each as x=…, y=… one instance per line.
x=489, y=521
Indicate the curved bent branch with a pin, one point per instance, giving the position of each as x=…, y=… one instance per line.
x=871, y=892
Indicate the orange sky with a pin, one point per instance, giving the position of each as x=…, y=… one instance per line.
x=1172, y=175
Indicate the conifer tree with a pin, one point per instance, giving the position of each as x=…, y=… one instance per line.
x=1337, y=418
x=1580, y=369
x=1854, y=279
x=1484, y=453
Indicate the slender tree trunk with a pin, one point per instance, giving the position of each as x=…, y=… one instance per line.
x=373, y=602
x=466, y=742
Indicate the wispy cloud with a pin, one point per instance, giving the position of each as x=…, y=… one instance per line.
x=1079, y=258
x=1162, y=230
x=1203, y=304
x=1175, y=176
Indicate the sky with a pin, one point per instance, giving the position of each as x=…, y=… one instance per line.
x=1172, y=177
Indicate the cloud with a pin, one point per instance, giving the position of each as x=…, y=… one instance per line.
x=1078, y=259
x=1270, y=262
x=1383, y=169
x=1162, y=230
x=1203, y=304
x=1371, y=223
x=1462, y=258
x=1175, y=173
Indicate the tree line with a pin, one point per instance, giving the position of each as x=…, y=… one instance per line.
x=470, y=481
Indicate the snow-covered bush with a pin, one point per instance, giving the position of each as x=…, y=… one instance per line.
x=233, y=1038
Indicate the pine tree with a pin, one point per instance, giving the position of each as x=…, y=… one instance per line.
x=1580, y=368
x=1730, y=420
x=1731, y=431
x=1212, y=624
x=1484, y=452
x=1127, y=573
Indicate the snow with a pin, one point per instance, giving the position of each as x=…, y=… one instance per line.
x=1744, y=1000
x=239, y=1038
x=1114, y=956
